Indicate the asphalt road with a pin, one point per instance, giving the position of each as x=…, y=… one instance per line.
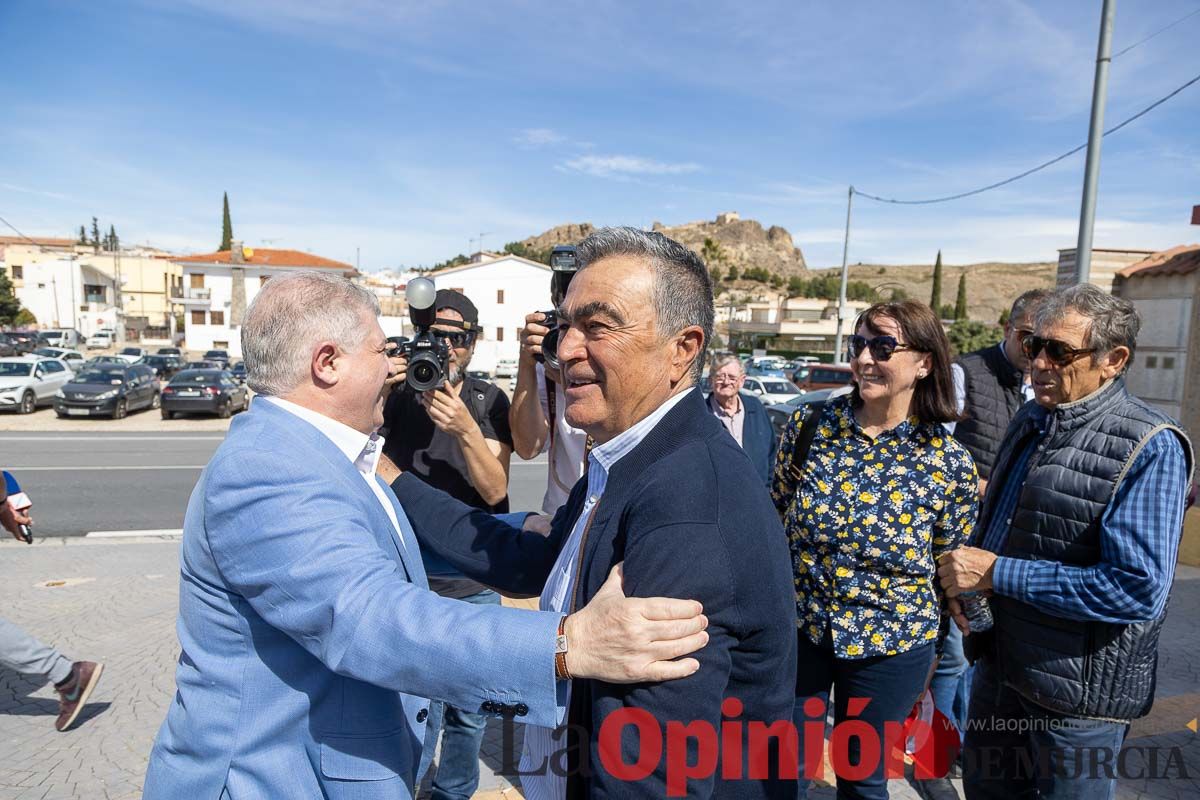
x=82, y=483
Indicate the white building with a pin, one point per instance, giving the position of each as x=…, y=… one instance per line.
x=504, y=288
x=793, y=324
x=67, y=293
x=217, y=288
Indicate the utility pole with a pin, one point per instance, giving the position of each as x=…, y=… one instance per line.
x=1091, y=175
x=841, y=309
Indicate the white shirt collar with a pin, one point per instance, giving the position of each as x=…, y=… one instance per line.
x=362, y=450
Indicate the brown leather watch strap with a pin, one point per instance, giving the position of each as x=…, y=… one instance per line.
x=560, y=657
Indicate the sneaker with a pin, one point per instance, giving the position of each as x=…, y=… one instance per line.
x=76, y=691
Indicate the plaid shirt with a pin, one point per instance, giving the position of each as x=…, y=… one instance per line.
x=1139, y=541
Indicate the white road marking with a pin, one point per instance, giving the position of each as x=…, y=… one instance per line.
x=174, y=532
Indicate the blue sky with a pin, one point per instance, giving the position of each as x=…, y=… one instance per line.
x=405, y=129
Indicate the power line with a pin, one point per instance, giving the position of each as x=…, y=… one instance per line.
x=1141, y=42
x=1028, y=172
x=19, y=233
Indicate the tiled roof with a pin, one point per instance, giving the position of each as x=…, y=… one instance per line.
x=264, y=257
x=1181, y=260
x=42, y=240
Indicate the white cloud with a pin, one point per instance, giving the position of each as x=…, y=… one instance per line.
x=539, y=137
x=623, y=166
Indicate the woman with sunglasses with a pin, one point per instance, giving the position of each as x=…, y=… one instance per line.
x=877, y=495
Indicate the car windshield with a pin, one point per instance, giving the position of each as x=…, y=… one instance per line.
x=48, y=352
x=215, y=354
x=780, y=387
x=14, y=370
x=100, y=376
x=193, y=378
x=131, y=351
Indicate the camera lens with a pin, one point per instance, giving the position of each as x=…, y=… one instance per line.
x=550, y=349
x=424, y=373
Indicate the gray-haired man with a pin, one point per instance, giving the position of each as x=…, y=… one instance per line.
x=1077, y=541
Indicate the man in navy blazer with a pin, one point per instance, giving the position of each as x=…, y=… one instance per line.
x=743, y=415
x=671, y=498
x=310, y=642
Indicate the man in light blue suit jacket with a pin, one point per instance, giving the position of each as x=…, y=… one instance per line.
x=310, y=642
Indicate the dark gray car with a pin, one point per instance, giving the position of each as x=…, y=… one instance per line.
x=109, y=390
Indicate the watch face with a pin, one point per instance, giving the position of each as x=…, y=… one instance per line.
x=560, y=644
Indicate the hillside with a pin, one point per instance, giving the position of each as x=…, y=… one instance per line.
x=734, y=242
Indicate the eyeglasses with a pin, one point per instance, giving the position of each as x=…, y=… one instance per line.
x=1023, y=334
x=881, y=347
x=1057, y=353
x=457, y=338
x=719, y=378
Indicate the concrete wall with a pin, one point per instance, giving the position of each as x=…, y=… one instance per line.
x=1105, y=265
x=1164, y=360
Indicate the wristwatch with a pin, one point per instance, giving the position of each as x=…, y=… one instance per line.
x=560, y=652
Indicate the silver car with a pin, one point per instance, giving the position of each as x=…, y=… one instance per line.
x=27, y=382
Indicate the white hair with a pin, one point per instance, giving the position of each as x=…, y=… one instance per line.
x=289, y=316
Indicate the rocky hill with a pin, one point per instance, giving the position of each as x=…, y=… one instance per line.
x=732, y=241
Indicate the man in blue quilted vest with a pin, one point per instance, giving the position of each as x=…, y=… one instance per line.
x=1076, y=544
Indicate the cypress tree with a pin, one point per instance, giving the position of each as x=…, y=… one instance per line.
x=960, y=303
x=935, y=297
x=10, y=306
x=226, y=227
x=82, y=235
x=95, y=235
x=112, y=239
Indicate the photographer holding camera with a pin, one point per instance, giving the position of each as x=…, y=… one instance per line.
x=20, y=652
x=536, y=416
x=456, y=438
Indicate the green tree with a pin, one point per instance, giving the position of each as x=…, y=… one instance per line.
x=457, y=261
x=776, y=280
x=10, y=307
x=935, y=296
x=95, y=235
x=522, y=250
x=112, y=242
x=24, y=318
x=960, y=303
x=711, y=252
x=82, y=235
x=226, y=227
x=733, y=273
x=946, y=311
x=716, y=273
x=795, y=286
x=1005, y=315
x=967, y=336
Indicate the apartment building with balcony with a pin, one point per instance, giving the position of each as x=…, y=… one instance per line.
x=791, y=324
x=216, y=288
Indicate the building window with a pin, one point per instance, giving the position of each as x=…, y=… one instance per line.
x=197, y=317
x=93, y=293
x=216, y=318
x=18, y=272
x=262, y=280
x=499, y=297
x=1168, y=362
x=197, y=280
x=218, y=345
x=499, y=334
x=1151, y=362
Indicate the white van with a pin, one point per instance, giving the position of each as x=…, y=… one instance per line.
x=101, y=339
x=66, y=338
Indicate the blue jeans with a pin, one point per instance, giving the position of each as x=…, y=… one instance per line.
x=1016, y=749
x=951, y=680
x=891, y=684
x=457, y=775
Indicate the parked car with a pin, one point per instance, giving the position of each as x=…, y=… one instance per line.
x=506, y=368
x=100, y=340
x=169, y=351
x=767, y=370
x=63, y=337
x=220, y=356
x=100, y=361
x=7, y=347
x=23, y=341
x=29, y=381
x=203, y=364
x=479, y=374
x=822, y=376
x=110, y=390
x=238, y=371
x=204, y=391
x=72, y=358
x=164, y=367
x=770, y=390
x=780, y=413
x=133, y=354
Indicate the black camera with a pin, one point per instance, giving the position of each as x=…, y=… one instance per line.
x=428, y=354
x=564, y=263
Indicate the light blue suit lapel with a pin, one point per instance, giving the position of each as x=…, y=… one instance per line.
x=410, y=551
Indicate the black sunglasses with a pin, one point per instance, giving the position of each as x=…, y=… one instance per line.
x=457, y=338
x=1059, y=354
x=881, y=347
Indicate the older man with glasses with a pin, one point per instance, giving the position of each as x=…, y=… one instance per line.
x=742, y=415
x=1076, y=545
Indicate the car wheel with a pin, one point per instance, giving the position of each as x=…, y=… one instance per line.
x=167, y=414
x=28, y=403
x=120, y=409
x=224, y=412
x=156, y=401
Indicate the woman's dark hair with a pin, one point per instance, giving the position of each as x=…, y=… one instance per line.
x=934, y=399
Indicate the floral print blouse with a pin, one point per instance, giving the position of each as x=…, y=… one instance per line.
x=866, y=521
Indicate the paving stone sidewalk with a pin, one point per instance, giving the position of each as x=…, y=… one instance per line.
x=116, y=602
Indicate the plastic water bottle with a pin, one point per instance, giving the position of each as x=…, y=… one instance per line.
x=977, y=611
